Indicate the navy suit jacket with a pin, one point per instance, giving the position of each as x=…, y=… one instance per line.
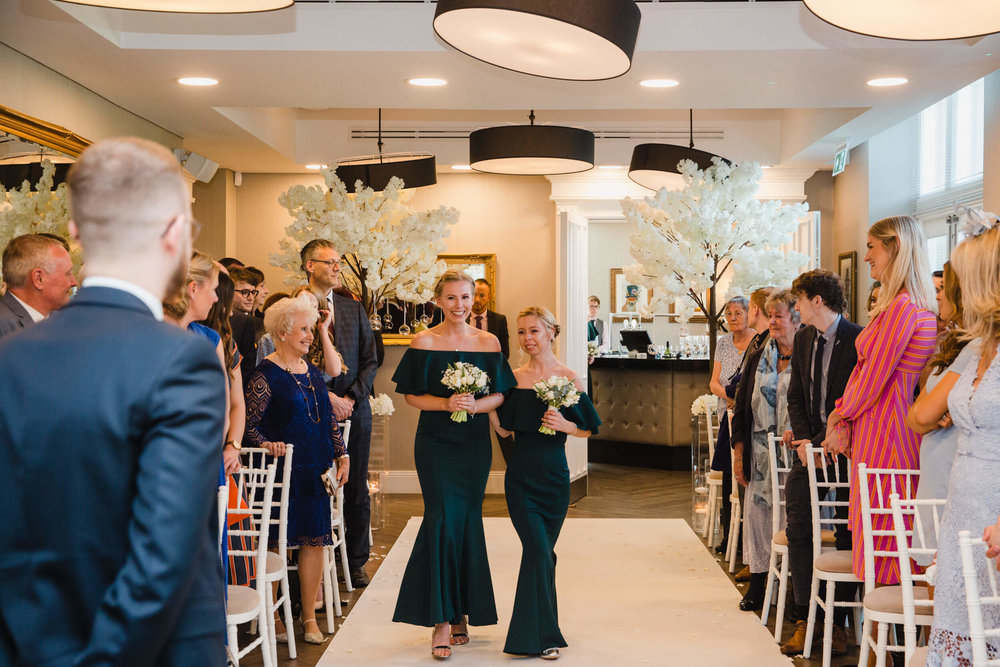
x=355, y=340
x=110, y=447
x=13, y=316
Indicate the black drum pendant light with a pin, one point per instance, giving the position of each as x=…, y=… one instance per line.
x=916, y=20
x=190, y=6
x=374, y=171
x=531, y=149
x=577, y=40
x=654, y=166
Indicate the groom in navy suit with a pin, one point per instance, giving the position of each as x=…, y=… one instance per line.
x=111, y=441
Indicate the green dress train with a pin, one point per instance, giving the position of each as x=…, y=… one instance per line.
x=448, y=573
x=537, y=486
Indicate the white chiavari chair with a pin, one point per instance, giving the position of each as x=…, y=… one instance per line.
x=331, y=589
x=277, y=568
x=779, y=469
x=973, y=552
x=244, y=604
x=883, y=605
x=829, y=565
x=222, y=503
x=714, y=478
x=736, y=513
x=913, y=539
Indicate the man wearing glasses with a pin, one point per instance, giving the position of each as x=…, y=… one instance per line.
x=349, y=392
x=242, y=321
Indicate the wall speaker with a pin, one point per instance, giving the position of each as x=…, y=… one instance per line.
x=199, y=166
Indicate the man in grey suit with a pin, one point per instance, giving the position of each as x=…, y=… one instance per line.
x=38, y=272
x=111, y=443
x=595, y=325
x=349, y=392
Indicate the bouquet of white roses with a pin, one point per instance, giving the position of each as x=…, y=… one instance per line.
x=703, y=404
x=464, y=378
x=381, y=405
x=556, y=392
x=591, y=349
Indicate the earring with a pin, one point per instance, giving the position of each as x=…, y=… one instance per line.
x=282, y=338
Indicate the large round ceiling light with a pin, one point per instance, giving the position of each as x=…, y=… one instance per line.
x=374, y=171
x=582, y=40
x=916, y=20
x=189, y=6
x=531, y=149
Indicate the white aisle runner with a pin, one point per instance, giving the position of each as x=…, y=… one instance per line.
x=631, y=592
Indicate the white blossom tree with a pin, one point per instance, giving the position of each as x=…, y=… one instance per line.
x=387, y=249
x=687, y=240
x=27, y=210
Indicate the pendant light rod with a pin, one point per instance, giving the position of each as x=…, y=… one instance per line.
x=531, y=117
x=380, y=144
x=690, y=128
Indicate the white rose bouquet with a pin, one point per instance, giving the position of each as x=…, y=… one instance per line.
x=556, y=392
x=591, y=350
x=381, y=405
x=464, y=378
x=703, y=404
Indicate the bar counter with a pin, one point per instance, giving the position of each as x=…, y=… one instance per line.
x=645, y=407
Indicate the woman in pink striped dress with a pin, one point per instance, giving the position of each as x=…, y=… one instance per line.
x=869, y=422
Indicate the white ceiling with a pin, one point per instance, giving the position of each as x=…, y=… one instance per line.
x=768, y=81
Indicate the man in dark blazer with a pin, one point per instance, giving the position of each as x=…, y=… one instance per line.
x=349, y=392
x=485, y=319
x=823, y=357
x=38, y=272
x=110, y=442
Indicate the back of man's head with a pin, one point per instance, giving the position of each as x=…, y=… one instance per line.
x=26, y=253
x=124, y=192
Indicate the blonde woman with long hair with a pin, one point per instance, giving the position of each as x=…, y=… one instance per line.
x=973, y=492
x=868, y=423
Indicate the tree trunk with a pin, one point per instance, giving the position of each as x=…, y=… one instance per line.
x=713, y=325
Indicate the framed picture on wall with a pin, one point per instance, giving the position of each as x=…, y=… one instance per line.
x=627, y=297
x=847, y=267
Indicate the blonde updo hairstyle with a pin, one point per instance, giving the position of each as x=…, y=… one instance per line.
x=977, y=263
x=280, y=317
x=452, y=276
x=201, y=270
x=908, y=267
x=544, y=316
x=309, y=289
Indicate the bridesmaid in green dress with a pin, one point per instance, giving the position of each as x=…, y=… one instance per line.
x=447, y=581
x=537, y=482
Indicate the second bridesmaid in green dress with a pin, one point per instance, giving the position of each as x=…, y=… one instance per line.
x=537, y=482
x=447, y=581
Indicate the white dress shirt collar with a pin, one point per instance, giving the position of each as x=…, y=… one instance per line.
x=140, y=293
x=35, y=316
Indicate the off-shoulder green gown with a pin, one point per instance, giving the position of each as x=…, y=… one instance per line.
x=537, y=486
x=448, y=574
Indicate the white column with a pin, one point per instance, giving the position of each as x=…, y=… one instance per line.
x=571, y=307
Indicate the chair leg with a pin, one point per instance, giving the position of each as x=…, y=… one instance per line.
x=328, y=588
x=768, y=590
x=856, y=620
x=234, y=647
x=735, y=520
x=268, y=645
x=883, y=642
x=864, y=643
x=831, y=610
x=287, y=607
x=708, y=513
x=779, y=613
x=342, y=537
x=811, y=619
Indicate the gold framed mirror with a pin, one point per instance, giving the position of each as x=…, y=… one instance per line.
x=477, y=265
x=41, y=132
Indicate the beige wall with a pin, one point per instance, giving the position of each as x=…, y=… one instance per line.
x=510, y=216
x=819, y=196
x=850, y=218
x=31, y=88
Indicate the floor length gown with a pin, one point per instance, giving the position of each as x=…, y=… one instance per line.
x=448, y=574
x=537, y=487
x=973, y=504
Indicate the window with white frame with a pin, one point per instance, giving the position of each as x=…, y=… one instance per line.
x=950, y=167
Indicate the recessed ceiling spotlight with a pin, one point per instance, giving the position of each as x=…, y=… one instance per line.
x=887, y=81
x=658, y=83
x=316, y=166
x=766, y=166
x=427, y=82
x=197, y=81
x=461, y=167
